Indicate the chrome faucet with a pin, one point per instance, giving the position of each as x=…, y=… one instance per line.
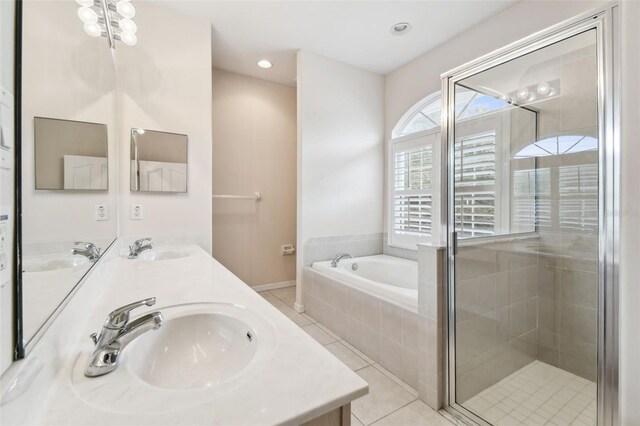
x=90, y=251
x=117, y=332
x=138, y=247
x=339, y=257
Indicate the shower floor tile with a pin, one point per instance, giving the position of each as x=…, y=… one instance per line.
x=538, y=394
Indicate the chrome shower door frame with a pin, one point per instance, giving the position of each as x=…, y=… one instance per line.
x=604, y=21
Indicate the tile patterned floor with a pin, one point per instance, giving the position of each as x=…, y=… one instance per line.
x=390, y=401
x=538, y=394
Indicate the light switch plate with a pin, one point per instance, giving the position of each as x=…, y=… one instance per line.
x=137, y=212
x=102, y=212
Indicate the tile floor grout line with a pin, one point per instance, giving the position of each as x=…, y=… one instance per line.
x=390, y=413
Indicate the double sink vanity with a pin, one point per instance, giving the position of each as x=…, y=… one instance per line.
x=178, y=340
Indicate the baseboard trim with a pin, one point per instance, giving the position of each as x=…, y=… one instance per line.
x=273, y=286
x=298, y=307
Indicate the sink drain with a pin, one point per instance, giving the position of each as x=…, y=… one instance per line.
x=249, y=336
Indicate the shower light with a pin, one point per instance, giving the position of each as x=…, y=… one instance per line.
x=523, y=94
x=543, y=89
x=87, y=15
x=126, y=9
x=264, y=63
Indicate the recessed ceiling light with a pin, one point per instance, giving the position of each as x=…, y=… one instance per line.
x=263, y=63
x=401, y=28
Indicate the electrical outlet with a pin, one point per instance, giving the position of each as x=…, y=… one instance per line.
x=102, y=212
x=136, y=212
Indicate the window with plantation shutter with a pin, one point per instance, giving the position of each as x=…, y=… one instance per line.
x=578, y=188
x=413, y=177
x=475, y=184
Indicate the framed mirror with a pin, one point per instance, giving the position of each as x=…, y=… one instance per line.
x=70, y=155
x=158, y=161
x=67, y=189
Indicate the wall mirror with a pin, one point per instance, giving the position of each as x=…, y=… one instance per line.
x=68, y=135
x=158, y=161
x=70, y=155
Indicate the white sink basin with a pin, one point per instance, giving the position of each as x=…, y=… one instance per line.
x=201, y=352
x=193, y=351
x=53, y=262
x=163, y=254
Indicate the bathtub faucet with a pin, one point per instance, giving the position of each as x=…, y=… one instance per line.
x=339, y=257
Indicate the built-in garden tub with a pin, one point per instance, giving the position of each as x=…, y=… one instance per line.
x=372, y=303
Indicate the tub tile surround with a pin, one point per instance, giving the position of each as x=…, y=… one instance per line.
x=390, y=400
x=406, y=342
x=327, y=383
x=325, y=248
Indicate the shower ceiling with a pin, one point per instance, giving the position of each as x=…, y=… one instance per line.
x=355, y=32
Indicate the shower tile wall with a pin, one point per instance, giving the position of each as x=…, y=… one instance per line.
x=568, y=324
x=497, y=312
x=325, y=248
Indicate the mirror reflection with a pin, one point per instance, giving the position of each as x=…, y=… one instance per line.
x=68, y=139
x=158, y=161
x=70, y=155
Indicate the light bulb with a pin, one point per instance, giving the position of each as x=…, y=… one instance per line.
x=523, y=93
x=127, y=26
x=264, y=63
x=93, y=29
x=532, y=97
x=129, y=38
x=543, y=88
x=87, y=15
x=126, y=9
x=85, y=3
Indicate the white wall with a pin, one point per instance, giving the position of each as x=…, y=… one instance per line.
x=254, y=149
x=340, y=150
x=410, y=83
x=66, y=75
x=165, y=84
x=630, y=217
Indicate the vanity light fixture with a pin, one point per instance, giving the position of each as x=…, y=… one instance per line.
x=109, y=18
x=265, y=63
x=401, y=28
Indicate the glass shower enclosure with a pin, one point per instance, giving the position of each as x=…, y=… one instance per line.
x=527, y=136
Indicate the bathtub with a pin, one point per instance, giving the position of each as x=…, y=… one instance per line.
x=392, y=279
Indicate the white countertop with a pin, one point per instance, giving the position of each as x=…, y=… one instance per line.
x=301, y=381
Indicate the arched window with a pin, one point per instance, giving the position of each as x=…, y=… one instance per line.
x=426, y=114
x=558, y=145
x=413, y=167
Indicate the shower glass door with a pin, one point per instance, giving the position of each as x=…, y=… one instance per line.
x=524, y=216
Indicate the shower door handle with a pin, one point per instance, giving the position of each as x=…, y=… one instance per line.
x=454, y=243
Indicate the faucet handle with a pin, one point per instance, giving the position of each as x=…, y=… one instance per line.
x=138, y=243
x=120, y=317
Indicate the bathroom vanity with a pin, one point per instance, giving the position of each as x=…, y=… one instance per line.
x=265, y=370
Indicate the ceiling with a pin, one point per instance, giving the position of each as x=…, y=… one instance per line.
x=355, y=32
